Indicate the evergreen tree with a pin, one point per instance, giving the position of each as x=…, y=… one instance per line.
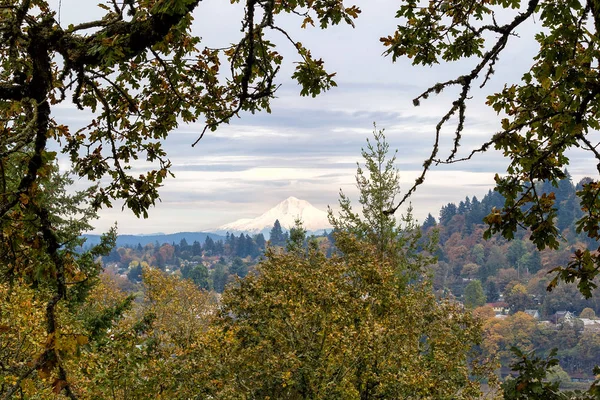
x=219, y=248
x=565, y=189
x=478, y=254
x=196, y=248
x=276, y=236
x=183, y=245
x=567, y=212
x=516, y=250
x=230, y=244
x=378, y=183
x=495, y=261
x=219, y=277
x=531, y=262
x=135, y=273
x=447, y=212
x=297, y=237
x=491, y=291
x=429, y=222
x=474, y=296
x=260, y=241
x=477, y=213
x=464, y=206
x=209, y=245
x=252, y=249
x=238, y=267
x=199, y=275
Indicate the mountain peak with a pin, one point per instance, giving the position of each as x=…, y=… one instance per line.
x=286, y=212
x=292, y=204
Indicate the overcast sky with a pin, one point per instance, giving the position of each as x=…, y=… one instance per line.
x=308, y=148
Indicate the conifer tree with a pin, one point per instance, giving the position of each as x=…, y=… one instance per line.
x=378, y=183
x=276, y=236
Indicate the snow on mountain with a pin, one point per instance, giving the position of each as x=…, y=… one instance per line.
x=286, y=212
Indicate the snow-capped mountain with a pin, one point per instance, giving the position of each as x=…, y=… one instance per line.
x=286, y=212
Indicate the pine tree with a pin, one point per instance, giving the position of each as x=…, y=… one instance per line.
x=429, y=222
x=447, y=213
x=378, y=182
x=260, y=241
x=238, y=267
x=474, y=296
x=196, y=248
x=276, y=236
x=491, y=292
x=219, y=277
x=209, y=245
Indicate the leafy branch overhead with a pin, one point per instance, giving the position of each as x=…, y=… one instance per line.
x=142, y=72
x=552, y=110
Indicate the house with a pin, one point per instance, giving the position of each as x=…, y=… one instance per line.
x=499, y=307
x=534, y=313
x=562, y=316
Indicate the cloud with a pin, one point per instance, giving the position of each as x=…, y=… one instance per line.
x=308, y=147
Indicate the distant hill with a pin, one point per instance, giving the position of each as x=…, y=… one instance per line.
x=313, y=219
x=133, y=240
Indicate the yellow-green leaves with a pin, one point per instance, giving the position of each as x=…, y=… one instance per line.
x=308, y=326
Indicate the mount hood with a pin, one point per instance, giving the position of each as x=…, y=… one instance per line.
x=286, y=212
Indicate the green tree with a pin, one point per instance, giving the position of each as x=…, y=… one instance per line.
x=378, y=182
x=429, y=222
x=516, y=250
x=474, y=296
x=209, y=245
x=345, y=335
x=219, y=277
x=495, y=261
x=531, y=262
x=554, y=108
x=199, y=275
x=260, y=241
x=135, y=273
x=491, y=291
x=478, y=253
x=517, y=297
x=238, y=267
x=276, y=236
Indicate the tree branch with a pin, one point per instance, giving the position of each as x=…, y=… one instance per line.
x=135, y=37
x=459, y=105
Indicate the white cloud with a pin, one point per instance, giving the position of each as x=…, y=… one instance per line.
x=308, y=147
